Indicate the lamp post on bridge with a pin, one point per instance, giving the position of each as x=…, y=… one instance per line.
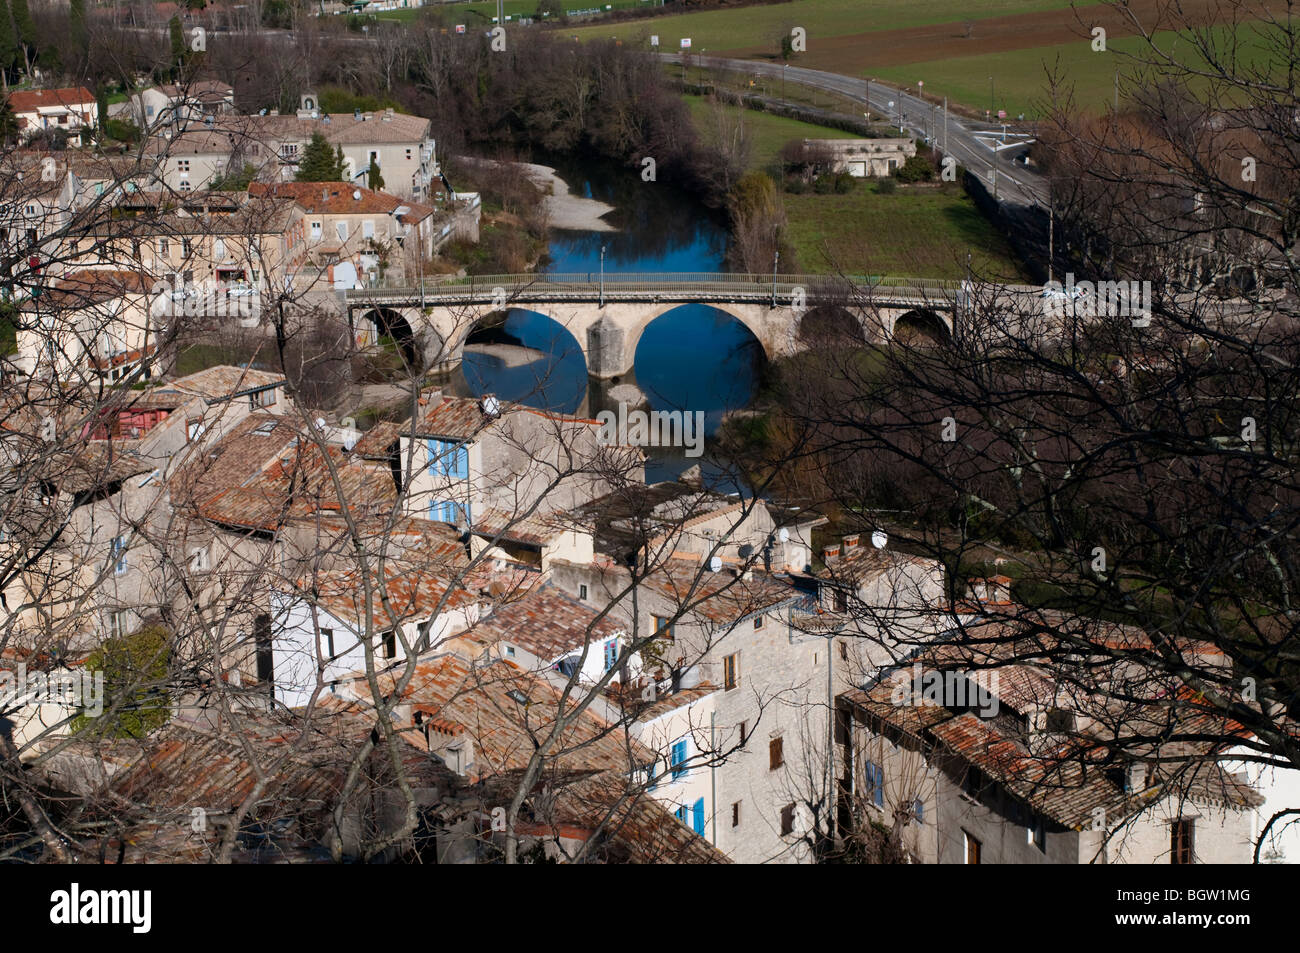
x=602, y=275
x=776, y=261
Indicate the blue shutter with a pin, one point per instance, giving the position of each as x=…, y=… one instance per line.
x=697, y=814
x=460, y=462
x=678, y=758
x=681, y=813
x=434, y=459
x=611, y=653
x=876, y=783
x=918, y=808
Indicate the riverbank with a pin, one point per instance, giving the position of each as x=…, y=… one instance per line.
x=564, y=210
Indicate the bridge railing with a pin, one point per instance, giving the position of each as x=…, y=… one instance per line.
x=704, y=285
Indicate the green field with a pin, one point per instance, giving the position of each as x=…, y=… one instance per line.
x=767, y=133
x=739, y=27
x=917, y=231
x=482, y=11
x=1020, y=78
x=920, y=231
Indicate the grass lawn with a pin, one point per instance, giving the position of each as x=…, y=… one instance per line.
x=479, y=13
x=1020, y=77
x=768, y=133
x=916, y=232
x=720, y=30
x=923, y=232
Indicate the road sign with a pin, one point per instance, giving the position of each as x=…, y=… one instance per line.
x=654, y=40
x=460, y=28
x=1002, y=114
x=686, y=42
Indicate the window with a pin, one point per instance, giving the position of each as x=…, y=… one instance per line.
x=1059, y=720
x=875, y=778
x=341, y=229
x=731, y=671
x=775, y=753
x=697, y=816
x=368, y=229
x=972, y=848
x=316, y=230
x=680, y=813
x=262, y=398
x=787, y=820
x=1035, y=832
x=390, y=643
x=119, y=623
x=611, y=654
x=844, y=651
x=184, y=186
x=119, y=554
x=841, y=600
x=744, y=733
x=448, y=458
x=194, y=430
x=735, y=814
x=408, y=155
x=199, y=559
x=661, y=626
x=582, y=592
x=183, y=165
x=327, y=643
x=1182, y=847
x=187, y=245
x=265, y=651
x=918, y=810
x=758, y=622
x=677, y=759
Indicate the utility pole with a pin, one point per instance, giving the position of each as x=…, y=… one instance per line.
x=945, y=125
x=1051, y=238
x=602, y=275
x=868, y=102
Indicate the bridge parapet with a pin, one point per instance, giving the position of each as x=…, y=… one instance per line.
x=702, y=287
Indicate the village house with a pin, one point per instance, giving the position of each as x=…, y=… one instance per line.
x=400, y=146
x=69, y=110
x=181, y=105
x=862, y=158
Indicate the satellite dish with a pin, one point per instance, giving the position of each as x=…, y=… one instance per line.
x=350, y=438
x=491, y=406
x=879, y=538
x=320, y=423
x=783, y=535
x=356, y=195
x=715, y=564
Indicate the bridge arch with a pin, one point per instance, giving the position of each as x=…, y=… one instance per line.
x=829, y=325
x=922, y=327
x=392, y=324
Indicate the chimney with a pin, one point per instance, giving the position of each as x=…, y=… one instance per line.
x=1135, y=778
x=830, y=552
x=850, y=542
x=388, y=114
x=991, y=590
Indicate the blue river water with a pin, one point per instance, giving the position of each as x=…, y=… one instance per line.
x=692, y=358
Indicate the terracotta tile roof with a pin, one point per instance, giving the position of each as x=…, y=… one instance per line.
x=721, y=597
x=857, y=564
x=29, y=100
x=340, y=198
x=81, y=289
x=379, y=442
x=507, y=712
x=547, y=622
x=225, y=381
x=636, y=514
x=396, y=596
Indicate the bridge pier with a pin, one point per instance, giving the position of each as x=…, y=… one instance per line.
x=607, y=349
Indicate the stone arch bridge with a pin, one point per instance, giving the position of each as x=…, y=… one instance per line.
x=607, y=316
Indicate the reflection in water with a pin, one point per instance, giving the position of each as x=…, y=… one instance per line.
x=692, y=358
x=660, y=228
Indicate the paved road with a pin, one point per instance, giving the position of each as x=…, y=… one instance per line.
x=1010, y=181
x=1013, y=182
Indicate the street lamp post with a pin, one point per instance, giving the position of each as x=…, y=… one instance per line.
x=783, y=68
x=776, y=261
x=602, y=275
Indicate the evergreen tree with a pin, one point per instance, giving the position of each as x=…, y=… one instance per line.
x=178, y=41
x=375, y=179
x=25, y=31
x=79, y=29
x=320, y=163
x=8, y=43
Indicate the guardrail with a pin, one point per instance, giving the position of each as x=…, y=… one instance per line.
x=700, y=286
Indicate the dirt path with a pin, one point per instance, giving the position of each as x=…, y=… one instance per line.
x=861, y=52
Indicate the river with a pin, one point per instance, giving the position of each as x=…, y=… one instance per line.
x=692, y=358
